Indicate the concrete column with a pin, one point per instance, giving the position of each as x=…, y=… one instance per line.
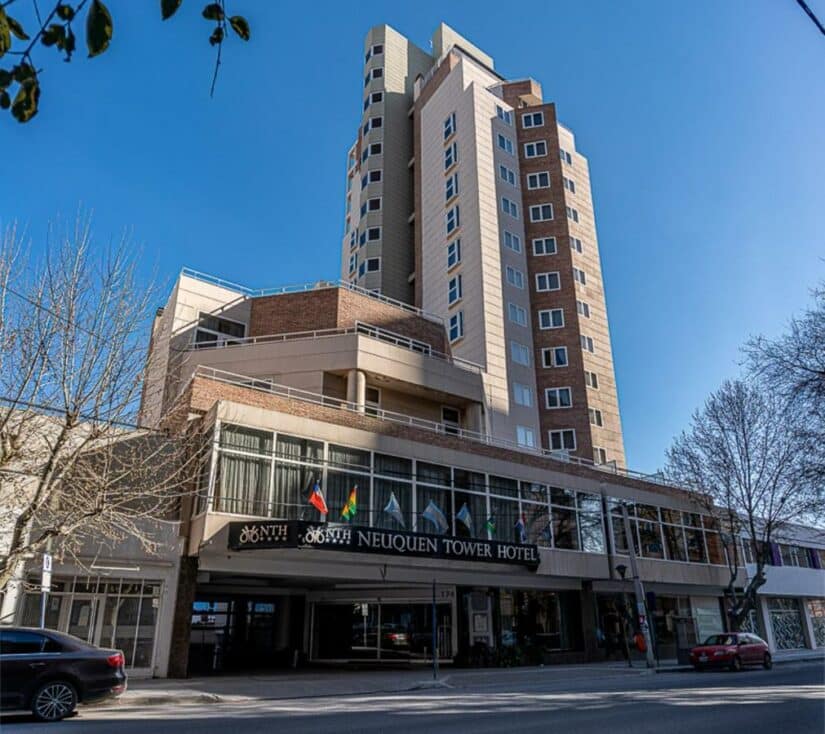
x=182, y=620
x=807, y=625
x=474, y=417
x=357, y=389
x=351, y=381
x=763, y=619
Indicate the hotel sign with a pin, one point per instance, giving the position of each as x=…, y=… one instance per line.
x=262, y=534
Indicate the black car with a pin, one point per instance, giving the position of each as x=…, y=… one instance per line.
x=49, y=673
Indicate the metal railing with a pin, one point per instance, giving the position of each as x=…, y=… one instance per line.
x=374, y=332
x=305, y=287
x=444, y=429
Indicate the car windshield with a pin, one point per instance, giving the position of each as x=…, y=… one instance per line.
x=721, y=640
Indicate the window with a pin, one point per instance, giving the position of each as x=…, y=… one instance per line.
x=535, y=149
x=565, y=157
x=449, y=126
x=505, y=143
x=24, y=642
x=451, y=187
x=587, y=343
x=376, y=122
x=544, y=246
x=569, y=184
x=372, y=400
x=554, y=357
x=450, y=155
x=558, y=397
x=541, y=212
x=576, y=244
x=374, y=205
x=373, y=74
x=518, y=315
x=591, y=379
x=507, y=175
x=563, y=440
x=525, y=437
x=375, y=148
x=551, y=318
x=572, y=214
x=512, y=241
x=509, y=207
x=452, y=219
x=213, y=330
x=456, y=326
x=353, y=263
x=451, y=418
x=373, y=98
x=532, y=119
x=375, y=176
x=583, y=309
x=504, y=115
x=539, y=180
x=375, y=50
x=520, y=354
x=453, y=254
x=547, y=282
x=362, y=268
x=373, y=234
x=454, y=289
x=522, y=395
x=579, y=276
x=599, y=455
x=514, y=276
x=595, y=417
x=373, y=264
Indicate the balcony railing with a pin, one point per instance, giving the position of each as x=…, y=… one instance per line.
x=305, y=287
x=444, y=429
x=374, y=332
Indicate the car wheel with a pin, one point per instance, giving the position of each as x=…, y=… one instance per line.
x=767, y=661
x=54, y=700
x=736, y=664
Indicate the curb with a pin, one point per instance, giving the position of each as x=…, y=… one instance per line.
x=690, y=669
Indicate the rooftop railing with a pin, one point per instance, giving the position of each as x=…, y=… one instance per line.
x=374, y=332
x=445, y=429
x=305, y=287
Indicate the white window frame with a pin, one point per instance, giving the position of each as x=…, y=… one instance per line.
x=547, y=278
x=573, y=214
x=583, y=308
x=505, y=143
x=550, y=311
x=515, y=241
x=591, y=379
x=565, y=157
x=587, y=343
x=371, y=260
x=537, y=212
x=599, y=455
x=531, y=149
x=517, y=279
x=522, y=395
x=510, y=207
x=521, y=349
x=451, y=187
x=531, y=117
x=569, y=184
x=370, y=231
x=451, y=155
x=596, y=417
x=370, y=208
x=540, y=250
x=525, y=437
x=453, y=254
x=455, y=289
x=449, y=126
x=580, y=276
x=557, y=392
x=452, y=219
x=576, y=245
x=560, y=433
x=506, y=116
x=517, y=314
x=552, y=352
x=456, y=323
x=534, y=180
x=508, y=175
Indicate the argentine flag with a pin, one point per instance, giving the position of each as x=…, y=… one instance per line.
x=433, y=514
x=463, y=516
x=393, y=509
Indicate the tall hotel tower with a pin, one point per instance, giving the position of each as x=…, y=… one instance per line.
x=468, y=199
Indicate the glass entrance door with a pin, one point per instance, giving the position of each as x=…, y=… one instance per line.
x=83, y=617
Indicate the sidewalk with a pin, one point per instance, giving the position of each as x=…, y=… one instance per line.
x=317, y=683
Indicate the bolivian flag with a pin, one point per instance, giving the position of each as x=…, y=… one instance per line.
x=351, y=507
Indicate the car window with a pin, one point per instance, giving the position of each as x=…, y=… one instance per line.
x=721, y=640
x=21, y=642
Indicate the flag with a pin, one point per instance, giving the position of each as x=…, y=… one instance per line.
x=393, y=509
x=521, y=529
x=490, y=525
x=351, y=507
x=463, y=516
x=316, y=499
x=436, y=517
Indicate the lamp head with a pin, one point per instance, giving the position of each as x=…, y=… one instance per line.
x=622, y=569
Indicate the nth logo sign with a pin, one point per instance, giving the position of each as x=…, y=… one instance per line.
x=341, y=537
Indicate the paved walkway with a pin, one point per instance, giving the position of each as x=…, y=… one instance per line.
x=310, y=683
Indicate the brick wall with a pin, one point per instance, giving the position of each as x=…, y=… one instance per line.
x=330, y=308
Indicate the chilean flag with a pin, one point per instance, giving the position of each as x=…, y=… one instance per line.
x=316, y=499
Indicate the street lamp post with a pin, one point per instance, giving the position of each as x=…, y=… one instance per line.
x=641, y=611
x=622, y=569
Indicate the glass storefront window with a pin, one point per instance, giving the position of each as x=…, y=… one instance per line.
x=432, y=474
x=353, y=459
x=537, y=520
x=565, y=529
x=696, y=546
x=505, y=513
x=383, y=489
x=651, y=540
x=502, y=486
x=592, y=532
x=339, y=486
x=675, y=543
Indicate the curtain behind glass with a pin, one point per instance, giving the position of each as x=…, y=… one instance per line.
x=403, y=493
x=243, y=485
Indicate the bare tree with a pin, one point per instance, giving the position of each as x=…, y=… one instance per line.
x=75, y=472
x=743, y=454
x=794, y=365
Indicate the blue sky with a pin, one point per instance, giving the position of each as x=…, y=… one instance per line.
x=704, y=123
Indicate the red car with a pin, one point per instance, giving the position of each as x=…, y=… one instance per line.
x=731, y=650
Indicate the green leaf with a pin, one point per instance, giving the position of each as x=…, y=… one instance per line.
x=5, y=33
x=16, y=28
x=217, y=36
x=69, y=44
x=25, y=102
x=54, y=34
x=168, y=8
x=65, y=12
x=213, y=11
x=98, y=28
x=6, y=78
x=5, y=100
x=23, y=72
x=240, y=26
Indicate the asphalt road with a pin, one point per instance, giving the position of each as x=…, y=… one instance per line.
x=789, y=699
